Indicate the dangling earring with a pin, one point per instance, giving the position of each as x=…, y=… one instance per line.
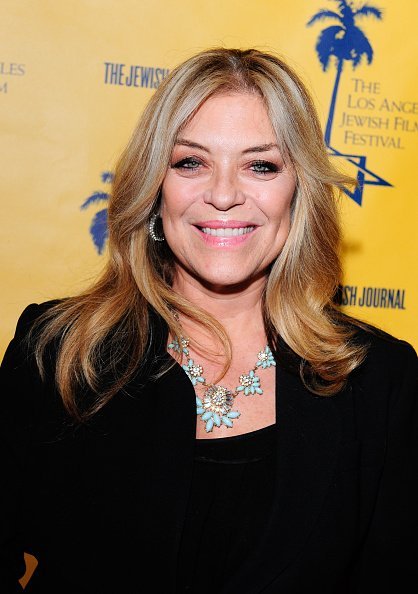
x=151, y=229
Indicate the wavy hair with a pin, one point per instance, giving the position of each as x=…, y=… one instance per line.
x=104, y=332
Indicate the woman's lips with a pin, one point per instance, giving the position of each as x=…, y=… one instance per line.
x=225, y=233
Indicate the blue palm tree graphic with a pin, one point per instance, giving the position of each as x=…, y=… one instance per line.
x=98, y=228
x=346, y=42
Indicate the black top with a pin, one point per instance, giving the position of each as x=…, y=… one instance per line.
x=231, y=494
x=102, y=506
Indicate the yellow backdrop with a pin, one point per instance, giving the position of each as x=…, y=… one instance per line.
x=74, y=76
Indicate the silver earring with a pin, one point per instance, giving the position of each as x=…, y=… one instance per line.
x=151, y=228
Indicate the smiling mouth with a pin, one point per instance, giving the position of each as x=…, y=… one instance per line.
x=226, y=231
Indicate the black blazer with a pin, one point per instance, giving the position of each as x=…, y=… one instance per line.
x=101, y=506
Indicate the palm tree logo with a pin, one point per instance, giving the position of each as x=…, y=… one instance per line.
x=98, y=228
x=346, y=42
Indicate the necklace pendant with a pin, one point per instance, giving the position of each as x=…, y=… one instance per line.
x=216, y=407
x=218, y=399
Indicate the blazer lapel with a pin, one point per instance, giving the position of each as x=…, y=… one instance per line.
x=308, y=431
x=170, y=473
x=168, y=409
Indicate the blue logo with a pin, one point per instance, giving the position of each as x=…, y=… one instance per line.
x=98, y=228
x=338, y=44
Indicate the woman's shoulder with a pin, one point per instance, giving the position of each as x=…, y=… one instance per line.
x=381, y=344
x=22, y=346
x=34, y=312
x=388, y=362
x=23, y=389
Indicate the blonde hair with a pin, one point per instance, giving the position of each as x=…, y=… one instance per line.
x=106, y=329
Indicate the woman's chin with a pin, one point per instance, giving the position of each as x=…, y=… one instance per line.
x=223, y=281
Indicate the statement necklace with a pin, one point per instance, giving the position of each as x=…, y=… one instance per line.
x=215, y=407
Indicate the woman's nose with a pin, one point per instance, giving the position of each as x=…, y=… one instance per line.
x=224, y=191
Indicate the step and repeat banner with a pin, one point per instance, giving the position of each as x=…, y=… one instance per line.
x=74, y=77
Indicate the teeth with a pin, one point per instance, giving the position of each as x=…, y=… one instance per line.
x=227, y=231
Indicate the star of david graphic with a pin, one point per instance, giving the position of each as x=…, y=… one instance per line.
x=346, y=42
x=364, y=175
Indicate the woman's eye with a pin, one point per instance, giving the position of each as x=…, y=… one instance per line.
x=189, y=163
x=264, y=167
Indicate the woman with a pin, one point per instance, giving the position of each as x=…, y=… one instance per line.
x=204, y=419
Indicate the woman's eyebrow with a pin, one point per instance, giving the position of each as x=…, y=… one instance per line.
x=185, y=142
x=253, y=149
x=261, y=148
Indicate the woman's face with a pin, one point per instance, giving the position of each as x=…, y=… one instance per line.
x=227, y=193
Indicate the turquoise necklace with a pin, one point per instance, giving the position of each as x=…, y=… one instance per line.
x=215, y=407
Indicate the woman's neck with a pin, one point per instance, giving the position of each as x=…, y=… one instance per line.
x=238, y=309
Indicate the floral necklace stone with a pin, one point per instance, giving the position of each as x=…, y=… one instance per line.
x=215, y=408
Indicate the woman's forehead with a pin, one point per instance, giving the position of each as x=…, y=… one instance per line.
x=237, y=112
